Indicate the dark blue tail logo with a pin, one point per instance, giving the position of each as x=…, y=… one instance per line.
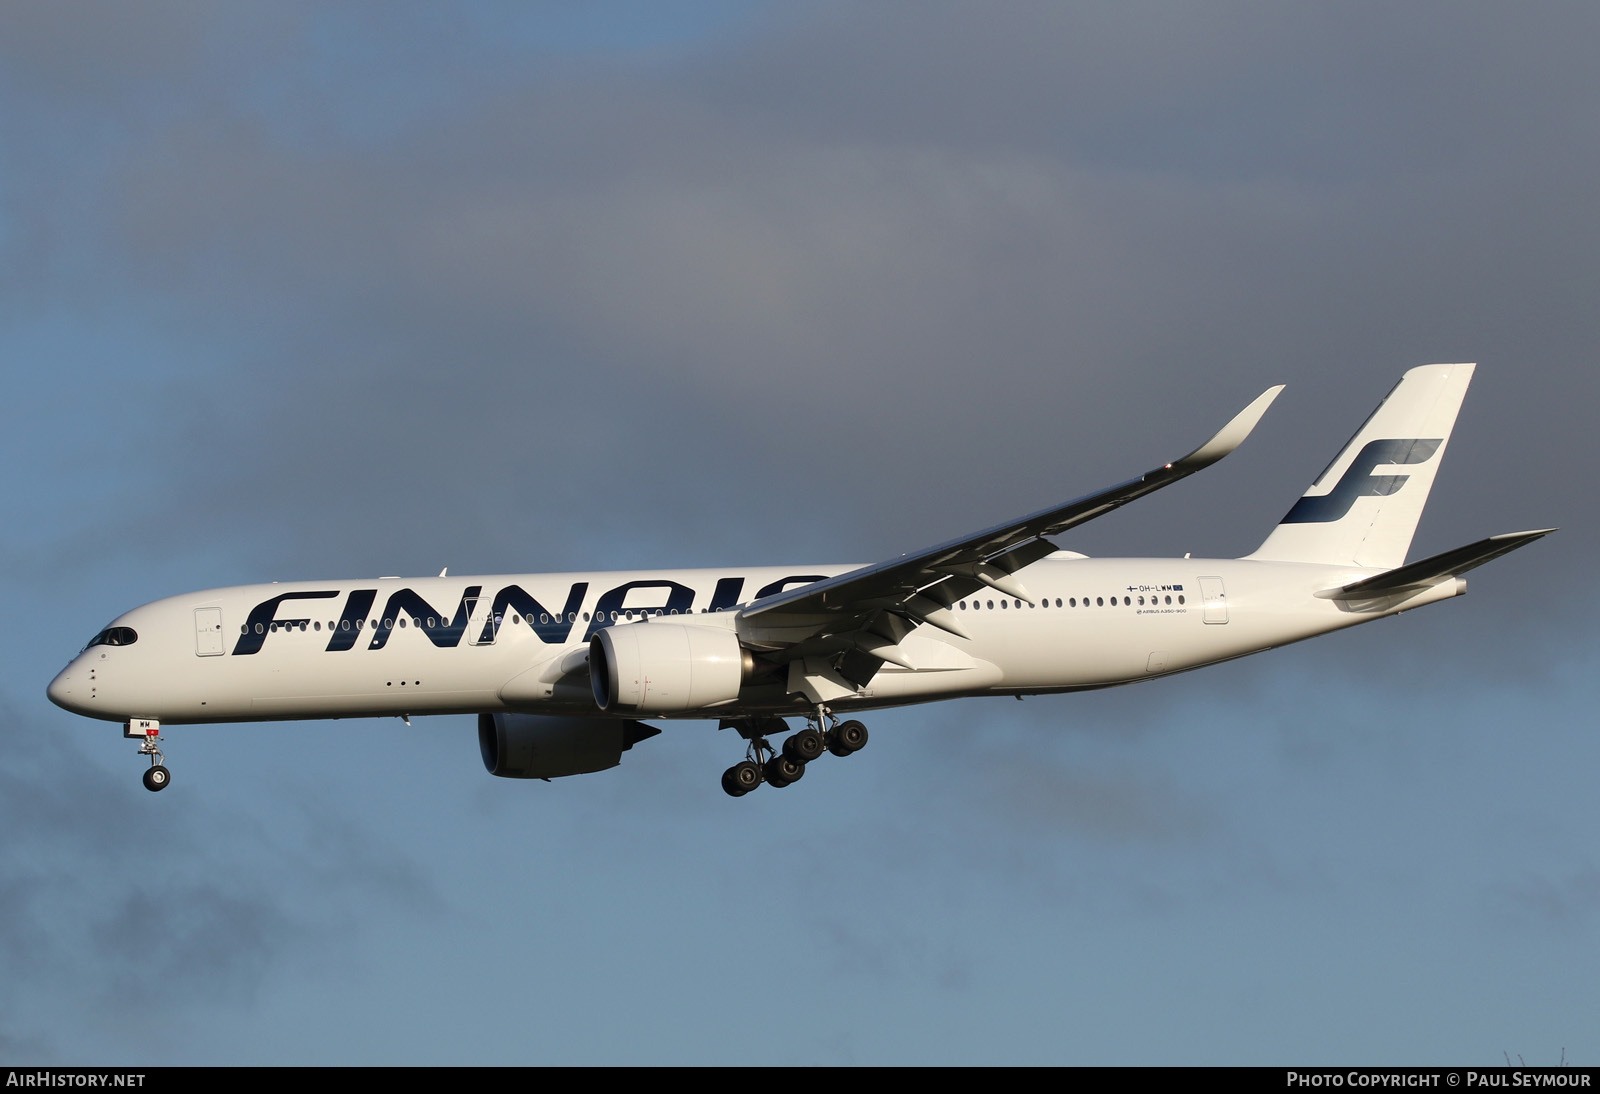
x=1358, y=481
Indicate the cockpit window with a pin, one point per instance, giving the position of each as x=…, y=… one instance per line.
x=115, y=636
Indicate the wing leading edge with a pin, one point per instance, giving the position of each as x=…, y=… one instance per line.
x=866, y=612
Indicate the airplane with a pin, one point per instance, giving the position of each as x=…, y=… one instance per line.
x=561, y=668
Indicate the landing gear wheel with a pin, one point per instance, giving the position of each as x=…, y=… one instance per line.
x=803, y=747
x=847, y=737
x=781, y=771
x=741, y=778
x=157, y=778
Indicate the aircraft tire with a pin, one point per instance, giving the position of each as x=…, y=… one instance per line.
x=741, y=778
x=781, y=771
x=804, y=746
x=157, y=778
x=847, y=737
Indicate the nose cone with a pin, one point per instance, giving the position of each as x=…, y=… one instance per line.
x=69, y=689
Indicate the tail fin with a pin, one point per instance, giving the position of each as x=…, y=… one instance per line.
x=1353, y=514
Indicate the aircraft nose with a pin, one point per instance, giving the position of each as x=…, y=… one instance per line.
x=61, y=690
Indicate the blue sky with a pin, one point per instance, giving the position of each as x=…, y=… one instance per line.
x=293, y=291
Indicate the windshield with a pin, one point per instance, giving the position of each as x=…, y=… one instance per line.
x=115, y=636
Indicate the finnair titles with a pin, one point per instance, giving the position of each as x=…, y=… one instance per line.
x=561, y=668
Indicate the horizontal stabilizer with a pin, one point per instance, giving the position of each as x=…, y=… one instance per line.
x=1430, y=571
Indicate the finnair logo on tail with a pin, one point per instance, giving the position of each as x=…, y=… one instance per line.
x=1358, y=481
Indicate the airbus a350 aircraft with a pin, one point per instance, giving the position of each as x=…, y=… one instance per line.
x=560, y=667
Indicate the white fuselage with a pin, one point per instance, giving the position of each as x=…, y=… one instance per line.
x=324, y=649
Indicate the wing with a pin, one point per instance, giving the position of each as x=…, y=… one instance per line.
x=865, y=613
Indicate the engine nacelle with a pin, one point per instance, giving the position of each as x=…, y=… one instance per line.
x=533, y=746
x=665, y=668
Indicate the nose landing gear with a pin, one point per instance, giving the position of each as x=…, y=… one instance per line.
x=149, y=732
x=765, y=764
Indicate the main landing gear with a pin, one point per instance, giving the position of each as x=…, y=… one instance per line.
x=149, y=732
x=765, y=764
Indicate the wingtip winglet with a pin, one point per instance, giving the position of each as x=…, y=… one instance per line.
x=1232, y=435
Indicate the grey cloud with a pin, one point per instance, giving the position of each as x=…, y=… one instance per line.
x=111, y=911
x=94, y=52
x=884, y=952
x=1109, y=806
x=1566, y=902
x=830, y=267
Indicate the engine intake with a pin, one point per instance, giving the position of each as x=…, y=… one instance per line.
x=666, y=668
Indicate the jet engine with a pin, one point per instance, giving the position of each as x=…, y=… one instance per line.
x=533, y=746
x=666, y=668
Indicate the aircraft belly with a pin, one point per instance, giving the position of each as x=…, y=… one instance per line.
x=371, y=704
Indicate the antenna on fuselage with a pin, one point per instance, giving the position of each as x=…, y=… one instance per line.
x=444, y=571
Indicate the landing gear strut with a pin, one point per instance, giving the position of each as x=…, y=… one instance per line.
x=763, y=763
x=759, y=755
x=158, y=776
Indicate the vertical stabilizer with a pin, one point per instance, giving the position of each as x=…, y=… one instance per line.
x=1364, y=508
